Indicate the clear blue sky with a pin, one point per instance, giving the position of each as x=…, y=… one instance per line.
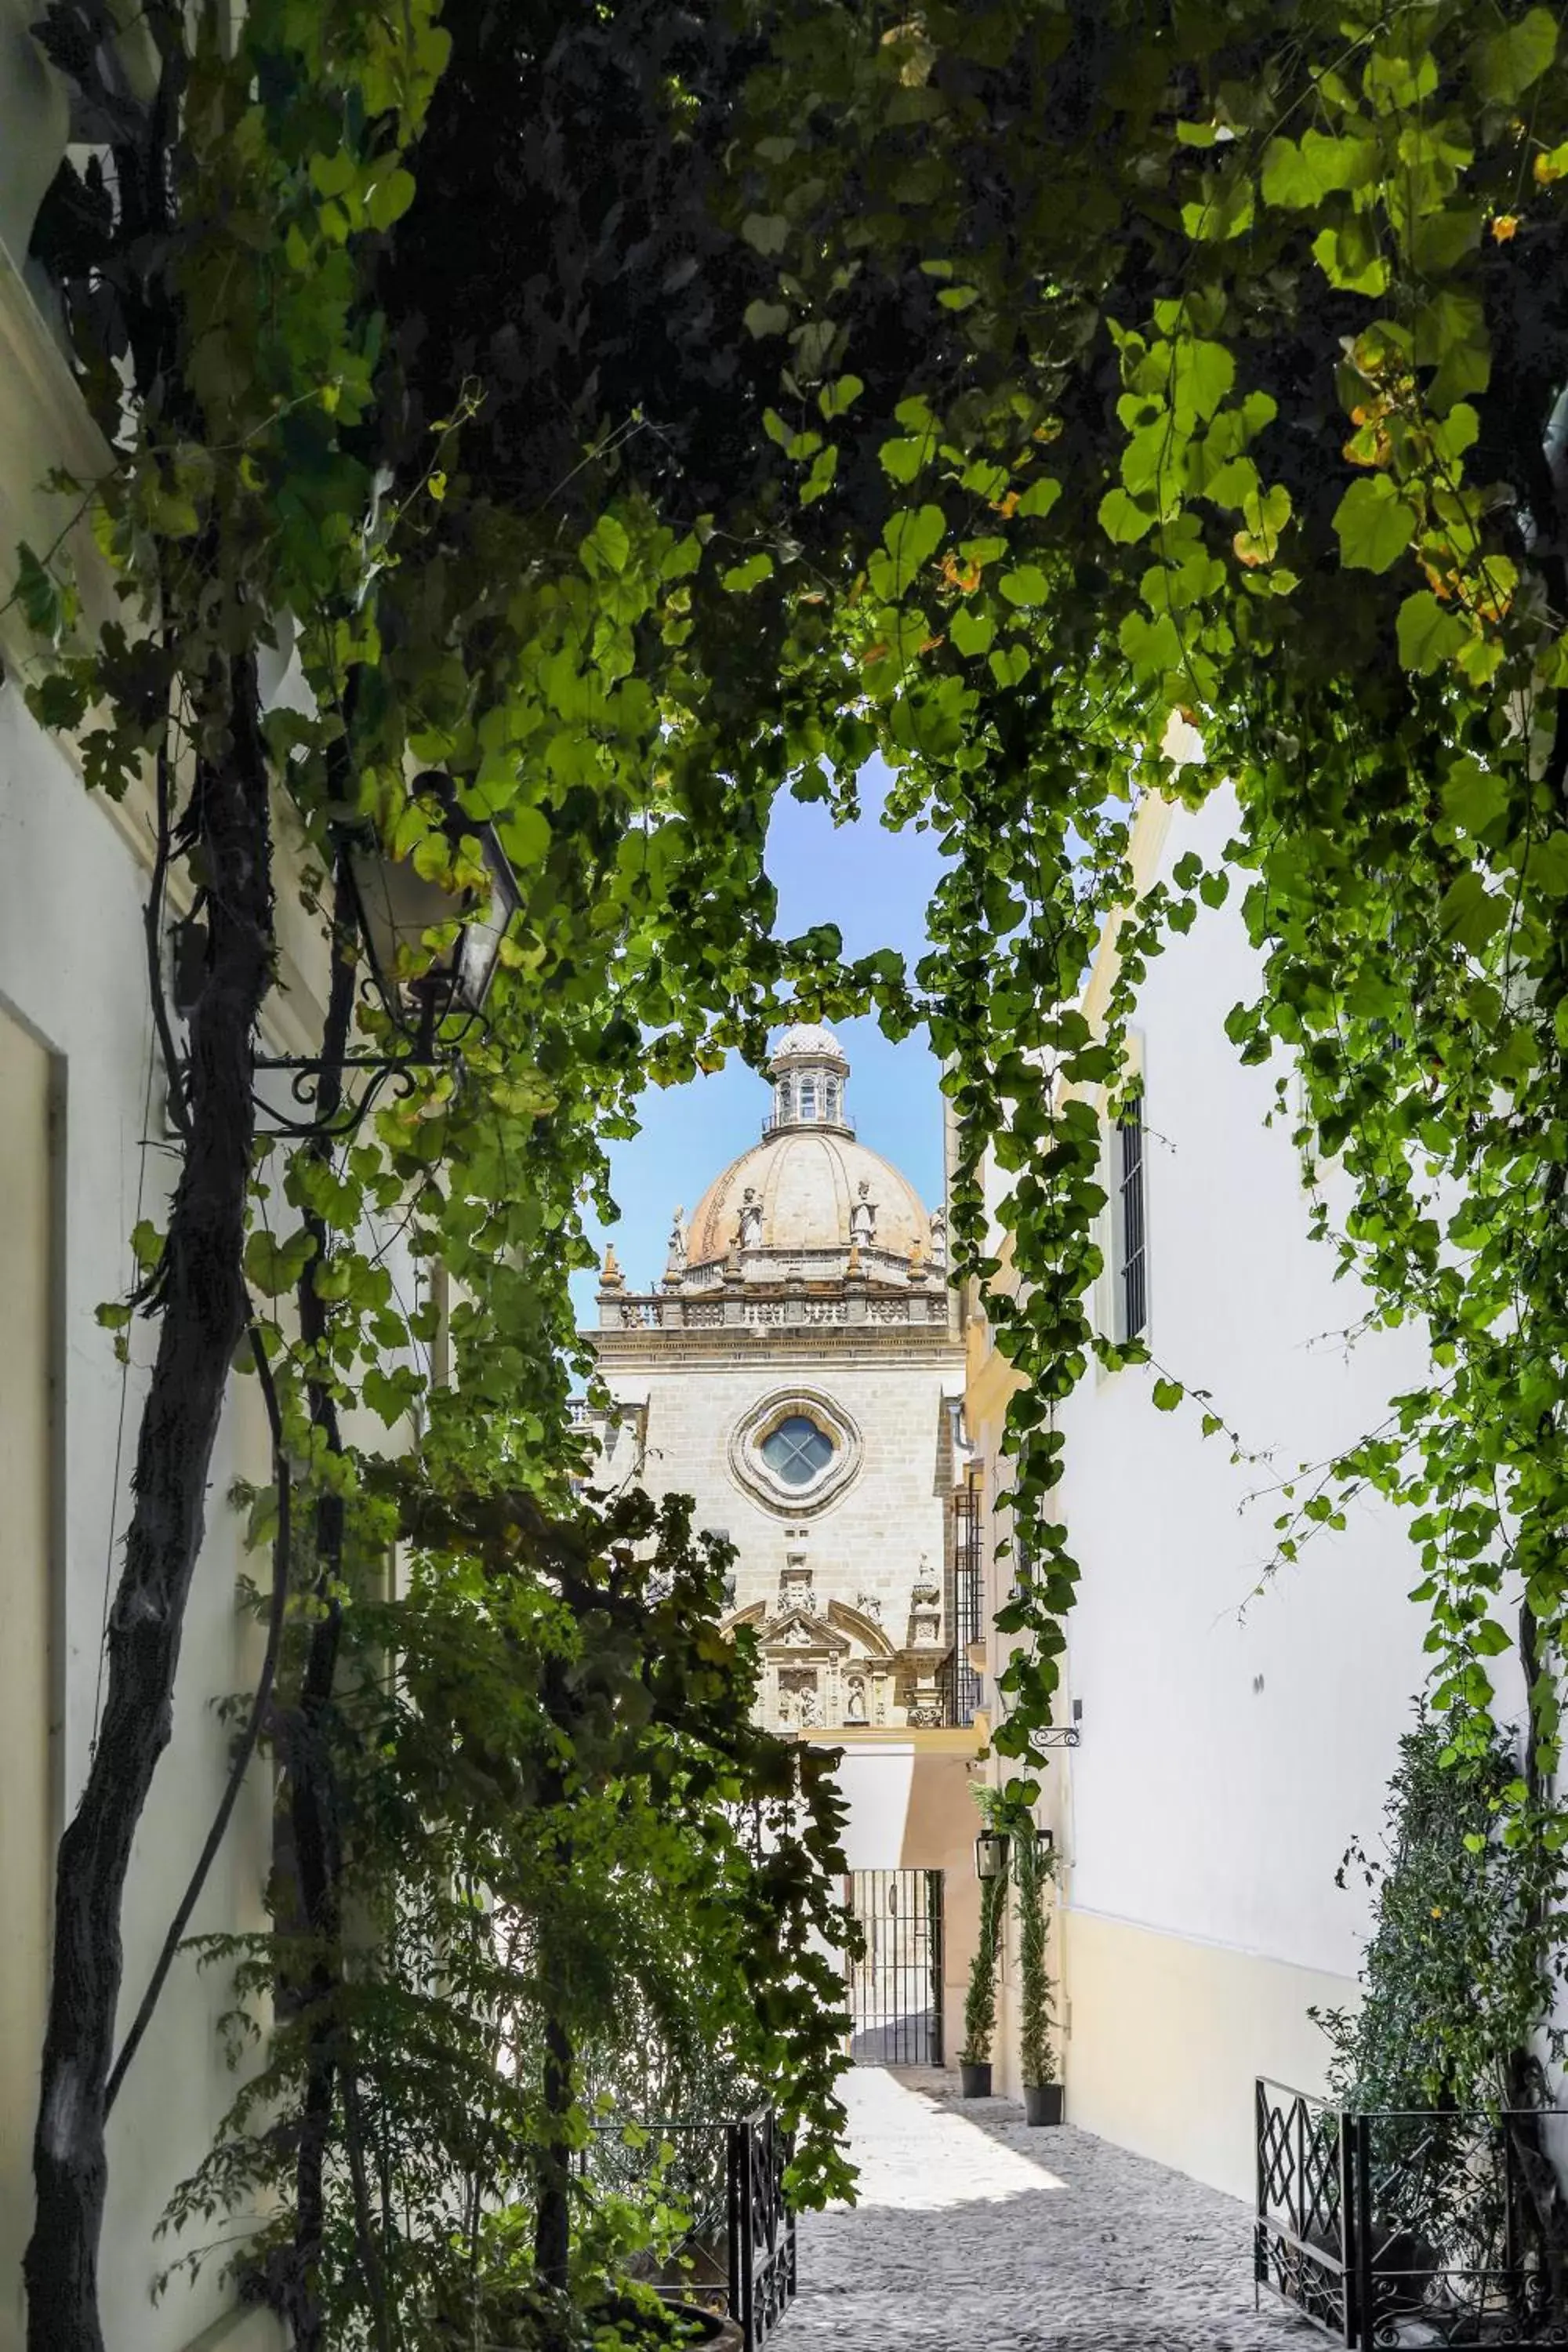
x=876, y=885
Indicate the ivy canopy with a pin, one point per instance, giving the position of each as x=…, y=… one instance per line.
x=642, y=412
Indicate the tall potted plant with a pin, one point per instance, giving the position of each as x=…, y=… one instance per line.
x=1036, y=2058
x=980, y=2000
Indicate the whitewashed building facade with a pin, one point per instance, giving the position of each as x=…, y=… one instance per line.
x=1234, y=1729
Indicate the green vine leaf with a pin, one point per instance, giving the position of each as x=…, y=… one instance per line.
x=1375, y=525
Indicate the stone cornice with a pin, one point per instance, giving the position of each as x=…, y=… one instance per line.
x=966, y=1740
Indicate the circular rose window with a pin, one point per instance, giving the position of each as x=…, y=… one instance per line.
x=795, y=1449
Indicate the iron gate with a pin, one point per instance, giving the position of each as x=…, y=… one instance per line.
x=895, y=1988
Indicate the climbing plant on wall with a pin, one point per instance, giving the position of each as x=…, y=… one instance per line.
x=1259, y=427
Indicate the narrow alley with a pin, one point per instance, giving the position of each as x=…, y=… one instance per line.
x=972, y=2229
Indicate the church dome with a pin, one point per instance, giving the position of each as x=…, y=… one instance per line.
x=807, y=1181
x=808, y=1190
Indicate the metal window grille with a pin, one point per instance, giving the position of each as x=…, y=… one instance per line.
x=960, y=1683
x=895, y=1987
x=1133, y=1253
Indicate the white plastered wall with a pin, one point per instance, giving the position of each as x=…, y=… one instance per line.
x=1237, y=1728
x=70, y=934
x=26, y=1480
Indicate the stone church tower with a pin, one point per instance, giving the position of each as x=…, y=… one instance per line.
x=799, y=1372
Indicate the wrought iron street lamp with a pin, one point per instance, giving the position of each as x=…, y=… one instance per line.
x=394, y=908
x=991, y=1848
x=990, y=1854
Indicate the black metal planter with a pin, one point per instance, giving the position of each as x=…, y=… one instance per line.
x=975, y=2078
x=716, y=2334
x=740, y=2250
x=1419, y=2228
x=1042, y=2103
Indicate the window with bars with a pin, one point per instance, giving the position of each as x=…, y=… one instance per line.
x=1131, y=1225
x=961, y=1681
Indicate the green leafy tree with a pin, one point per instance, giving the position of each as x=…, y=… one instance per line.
x=1455, y=2019
x=1459, y=1977
x=558, y=1823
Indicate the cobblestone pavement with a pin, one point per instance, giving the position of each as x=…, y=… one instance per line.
x=974, y=2233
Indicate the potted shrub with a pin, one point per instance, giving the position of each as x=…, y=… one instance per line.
x=1036, y=2058
x=980, y=2000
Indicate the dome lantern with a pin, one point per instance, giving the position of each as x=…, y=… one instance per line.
x=810, y=1073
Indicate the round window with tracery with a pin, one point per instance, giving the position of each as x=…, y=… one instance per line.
x=797, y=1451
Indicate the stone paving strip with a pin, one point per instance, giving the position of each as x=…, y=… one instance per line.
x=975, y=2231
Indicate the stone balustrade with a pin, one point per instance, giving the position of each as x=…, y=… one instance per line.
x=621, y=1310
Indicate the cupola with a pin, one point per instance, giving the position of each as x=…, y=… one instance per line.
x=810, y=1073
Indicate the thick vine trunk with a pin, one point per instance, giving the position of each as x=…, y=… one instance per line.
x=201, y=1301
x=553, y=2216
x=314, y=1849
